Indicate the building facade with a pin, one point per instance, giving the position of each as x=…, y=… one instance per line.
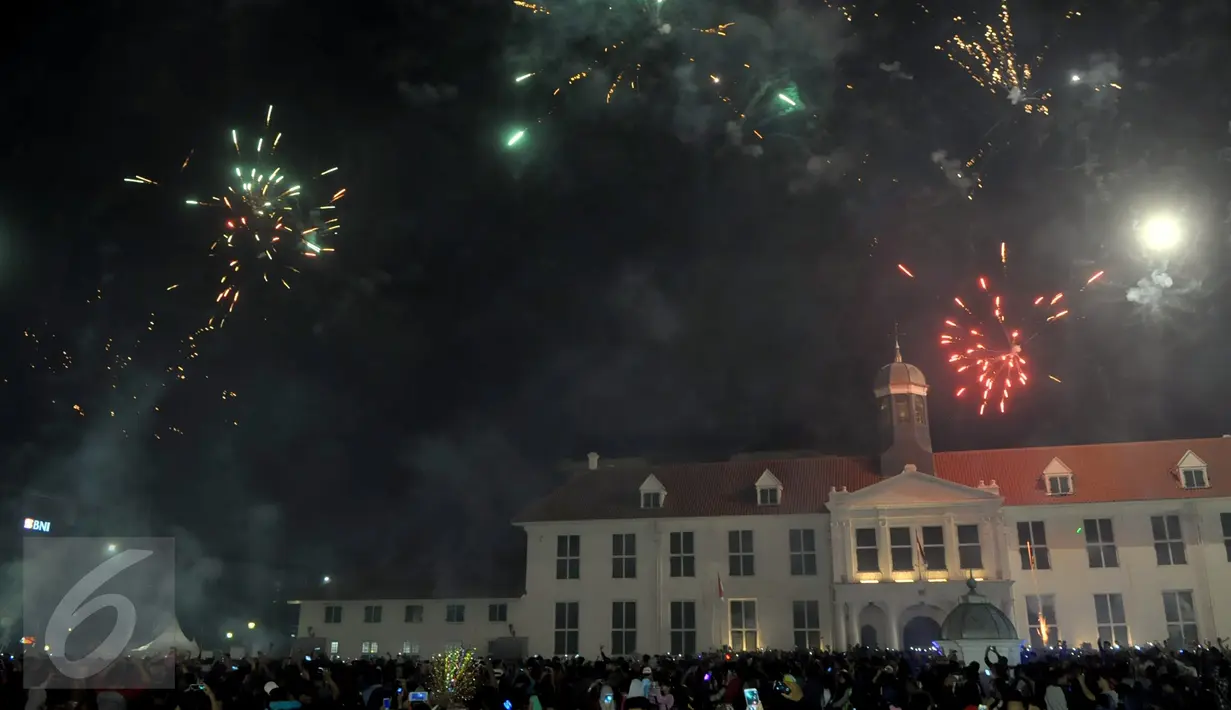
x=409, y=627
x=1122, y=543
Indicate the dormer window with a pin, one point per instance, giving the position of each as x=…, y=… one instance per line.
x=1194, y=473
x=1060, y=484
x=1058, y=478
x=769, y=489
x=653, y=493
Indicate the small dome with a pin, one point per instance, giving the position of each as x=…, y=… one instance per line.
x=899, y=373
x=977, y=618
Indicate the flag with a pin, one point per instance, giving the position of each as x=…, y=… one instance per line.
x=721, y=594
x=923, y=560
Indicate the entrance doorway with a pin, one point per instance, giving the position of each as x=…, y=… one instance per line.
x=920, y=632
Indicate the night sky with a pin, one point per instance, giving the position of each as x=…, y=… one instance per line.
x=636, y=279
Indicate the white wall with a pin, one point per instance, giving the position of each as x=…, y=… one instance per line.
x=1139, y=577
x=434, y=635
x=772, y=587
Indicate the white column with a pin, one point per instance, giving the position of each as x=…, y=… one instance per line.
x=952, y=559
x=895, y=633
x=839, y=615
x=882, y=548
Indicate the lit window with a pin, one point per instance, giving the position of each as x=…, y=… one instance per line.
x=568, y=557
x=867, y=556
x=1059, y=484
x=743, y=625
x=1100, y=543
x=1194, y=478
x=1168, y=540
x=1032, y=544
x=807, y=623
x=624, y=556
x=1109, y=613
x=740, y=557
x=1181, y=618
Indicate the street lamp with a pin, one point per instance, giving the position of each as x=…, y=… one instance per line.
x=251, y=625
x=326, y=580
x=230, y=635
x=112, y=547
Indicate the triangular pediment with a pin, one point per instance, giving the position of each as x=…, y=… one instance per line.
x=1190, y=460
x=912, y=489
x=651, y=484
x=1055, y=467
x=768, y=480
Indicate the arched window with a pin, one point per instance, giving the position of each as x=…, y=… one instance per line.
x=901, y=406
x=921, y=410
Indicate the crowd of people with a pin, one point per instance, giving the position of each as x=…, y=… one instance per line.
x=1154, y=678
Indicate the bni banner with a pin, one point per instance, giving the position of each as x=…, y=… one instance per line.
x=34, y=525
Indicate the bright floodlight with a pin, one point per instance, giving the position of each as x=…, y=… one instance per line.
x=111, y=547
x=230, y=635
x=326, y=580
x=251, y=624
x=1160, y=233
x=1076, y=78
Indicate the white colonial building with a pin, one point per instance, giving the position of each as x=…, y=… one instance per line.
x=1116, y=542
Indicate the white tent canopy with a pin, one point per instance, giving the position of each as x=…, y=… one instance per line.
x=171, y=638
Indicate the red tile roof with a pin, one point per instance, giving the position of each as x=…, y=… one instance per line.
x=1101, y=473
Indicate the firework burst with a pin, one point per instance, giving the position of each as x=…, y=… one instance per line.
x=994, y=64
x=270, y=220
x=637, y=30
x=986, y=344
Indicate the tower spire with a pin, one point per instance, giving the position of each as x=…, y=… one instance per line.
x=897, y=349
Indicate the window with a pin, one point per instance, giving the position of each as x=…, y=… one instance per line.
x=567, y=636
x=1059, y=484
x=651, y=499
x=371, y=614
x=369, y=648
x=333, y=648
x=767, y=496
x=740, y=557
x=333, y=614
x=1181, y=618
x=1032, y=544
x=414, y=614
x=1226, y=533
x=969, y=549
x=455, y=613
x=410, y=649
x=568, y=557
x=743, y=625
x=1100, y=544
x=1194, y=478
x=934, y=547
x=498, y=612
x=1109, y=613
x=623, y=628
x=921, y=410
x=1168, y=540
x=807, y=622
x=901, y=551
x=623, y=556
x=1041, y=617
x=867, y=556
x=683, y=561
x=901, y=405
x=803, y=553
x=683, y=628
